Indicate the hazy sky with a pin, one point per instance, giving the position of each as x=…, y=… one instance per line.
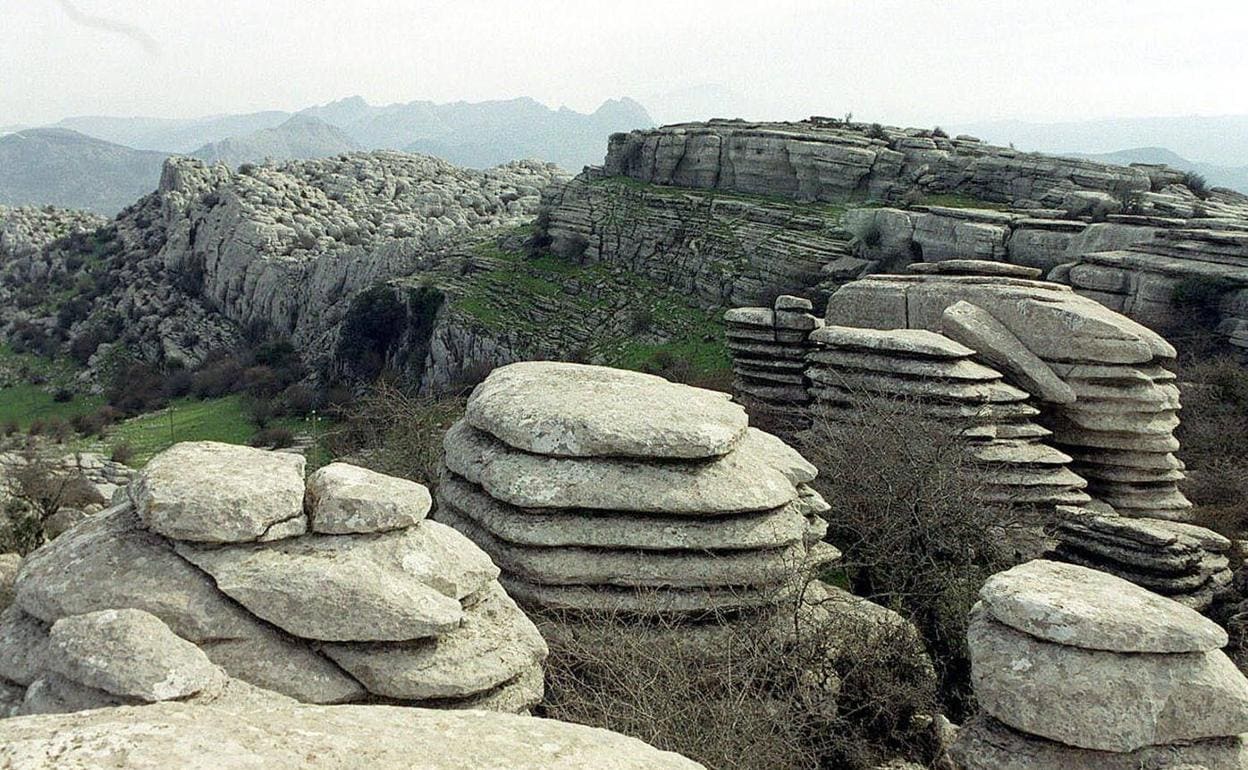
x=904, y=62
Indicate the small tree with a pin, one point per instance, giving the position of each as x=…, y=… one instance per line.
x=37, y=489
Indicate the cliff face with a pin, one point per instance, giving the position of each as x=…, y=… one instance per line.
x=829, y=160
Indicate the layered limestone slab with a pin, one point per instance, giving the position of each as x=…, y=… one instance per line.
x=391, y=586
x=994, y=343
x=575, y=410
x=751, y=478
x=919, y=343
x=130, y=653
x=1080, y=607
x=494, y=644
x=948, y=369
x=986, y=744
x=926, y=388
x=615, y=529
x=346, y=499
x=636, y=569
x=209, y=492
x=1107, y=701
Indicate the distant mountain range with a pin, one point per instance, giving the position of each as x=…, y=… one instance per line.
x=65, y=168
x=105, y=163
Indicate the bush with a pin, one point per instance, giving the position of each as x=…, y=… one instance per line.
x=396, y=433
x=374, y=323
x=939, y=133
x=217, y=376
x=640, y=320
x=63, y=395
x=1197, y=184
x=38, y=489
x=137, y=388
x=876, y=131
x=909, y=513
x=751, y=692
x=1213, y=434
x=274, y=437
x=123, y=453
x=11, y=428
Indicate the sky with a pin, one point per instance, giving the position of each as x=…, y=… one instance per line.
x=911, y=62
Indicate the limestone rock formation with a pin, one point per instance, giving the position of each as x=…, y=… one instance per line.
x=409, y=612
x=676, y=531
x=1119, y=428
x=1107, y=681
x=1184, y=562
x=272, y=733
x=850, y=365
x=769, y=347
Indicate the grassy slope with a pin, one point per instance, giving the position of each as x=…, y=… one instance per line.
x=23, y=402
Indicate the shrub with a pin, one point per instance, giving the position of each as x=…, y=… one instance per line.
x=876, y=131
x=38, y=489
x=137, y=388
x=275, y=437
x=394, y=432
x=640, y=320
x=123, y=453
x=1197, y=184
x=939, y=133
x=11, y=428
x=217, y=376
x=374, y=323
x=1213, y=433
x=754, y=693
x=910, y=514
x=63, y=395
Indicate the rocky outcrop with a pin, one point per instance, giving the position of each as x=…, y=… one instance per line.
x=1185, y=562
x=687, y=512
x=1119, y=428
x=769, y=347
x=266, y=731
x=1077, y=669
x=828, y=160
x=334, y=593
x=723, y=249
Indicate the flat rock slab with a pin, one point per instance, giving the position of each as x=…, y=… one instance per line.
x=130, y=653
x=56, y=694
x=986, y=744
x=913, y=342
x=283, y=737
x=204, y=491
x=494, y=644
x=575, y=410
x=392, y=586
x=995, y=344
x=615, y=529
x=23, y=646
x=756, y=476
x=648, y=569
x=347, y=499
x=936, y=369
x=1107, y=701
x=974, y=267
x=1075, y=606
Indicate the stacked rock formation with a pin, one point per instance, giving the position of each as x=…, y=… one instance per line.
x=597, y=489
x=939, y=376
x=769, y=347
x=1074, y=668
x=1099, y=377
x=333, y=591
x=1185, y=562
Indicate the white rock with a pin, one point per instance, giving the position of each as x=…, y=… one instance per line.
x=347, y=499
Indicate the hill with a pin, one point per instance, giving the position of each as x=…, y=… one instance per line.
x=301, y=137
x=42, y=166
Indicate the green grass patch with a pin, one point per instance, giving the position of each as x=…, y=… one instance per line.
x=24, y=404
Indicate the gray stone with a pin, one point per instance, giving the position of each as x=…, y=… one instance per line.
x=130, y=653
x=615, y=529
x=976, y=328
x=985, y=744
x=790, y=302
x=751, y=478
x=218, y=493
x=23, y=646
x=347, y=499
x=56, y=694
x=1080, y=607
x=914, y=342
x=392, y=586
x=284, y=737
x=1107, y=701
x=636, y=569
x=973, y=267
x=575, y=410
x=493, y=645
x=947, y=369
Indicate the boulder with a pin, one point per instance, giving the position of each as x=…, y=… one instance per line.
x=977, y=329
x=10, y=563
x=346, y=499
x=204, y=491
x=575, y=410
x=391, y=586
x=130, y=653
x=1065, y=604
